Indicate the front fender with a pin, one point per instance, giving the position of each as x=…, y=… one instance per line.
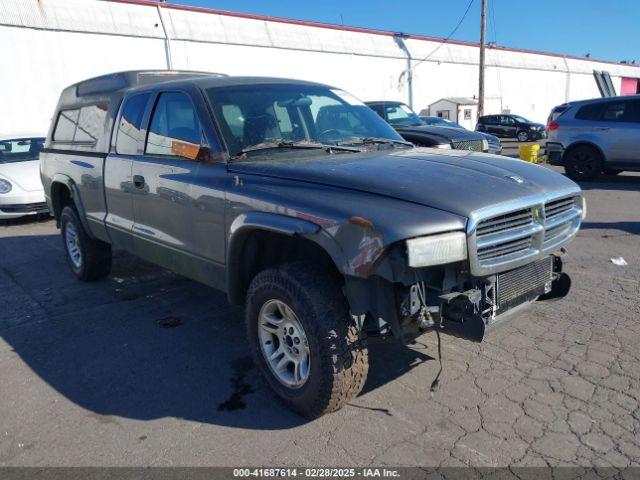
x=249, y=222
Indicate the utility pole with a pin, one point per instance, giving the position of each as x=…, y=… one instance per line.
x=483, y=27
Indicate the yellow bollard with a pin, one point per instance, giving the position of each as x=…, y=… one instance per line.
x=529, y=153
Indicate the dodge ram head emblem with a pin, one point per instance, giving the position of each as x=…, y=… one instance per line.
x=515, y=178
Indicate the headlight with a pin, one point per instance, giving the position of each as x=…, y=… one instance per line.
x=485, y=144
x=5, y=186
x=584, y=208
x=443, y=145
x=437, y=249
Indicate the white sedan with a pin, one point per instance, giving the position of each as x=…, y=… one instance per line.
x=21, y=191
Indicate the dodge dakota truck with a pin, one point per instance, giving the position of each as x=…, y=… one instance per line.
x=303, y=205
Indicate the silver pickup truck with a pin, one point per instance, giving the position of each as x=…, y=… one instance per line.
x=301, y=203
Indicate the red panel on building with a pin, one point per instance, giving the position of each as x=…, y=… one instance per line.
x=630, y=86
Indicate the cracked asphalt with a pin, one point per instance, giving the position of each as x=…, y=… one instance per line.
x=147, y=368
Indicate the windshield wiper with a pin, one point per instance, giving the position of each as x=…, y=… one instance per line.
x=292, y=145
x=374, y=141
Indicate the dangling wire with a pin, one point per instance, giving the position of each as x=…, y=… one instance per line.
x=436, y=381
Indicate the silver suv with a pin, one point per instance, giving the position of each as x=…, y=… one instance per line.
x=595, y=136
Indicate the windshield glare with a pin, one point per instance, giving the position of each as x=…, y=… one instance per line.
x=20, y=149
x=251, y=115
x=401, y=114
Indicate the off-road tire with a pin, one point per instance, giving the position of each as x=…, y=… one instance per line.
x=338, y=354
x=95, y=255
x=582, y=163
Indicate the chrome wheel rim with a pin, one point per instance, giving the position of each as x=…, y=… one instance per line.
x=284, y=344
x=73, y=245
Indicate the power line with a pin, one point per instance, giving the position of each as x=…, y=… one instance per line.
x=448, y=37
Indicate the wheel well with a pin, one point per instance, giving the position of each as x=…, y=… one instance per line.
x=573, y=146
x=258, y=250
x=60, y=197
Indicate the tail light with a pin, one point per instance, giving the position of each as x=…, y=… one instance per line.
x=553, y=126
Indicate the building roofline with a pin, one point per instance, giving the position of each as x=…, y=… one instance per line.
x=309, y=23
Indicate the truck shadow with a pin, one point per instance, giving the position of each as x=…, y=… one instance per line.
x=626, y=181
x=629, y=227
x=144, y=343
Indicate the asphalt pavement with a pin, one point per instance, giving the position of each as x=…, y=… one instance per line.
x=147, y=368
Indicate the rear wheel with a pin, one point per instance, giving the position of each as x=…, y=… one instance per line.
x=88, y=259
x=303, y=339
x=582, y=163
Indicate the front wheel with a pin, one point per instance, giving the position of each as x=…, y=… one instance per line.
x=303, y=339
x=523, y=136
x=88, y=259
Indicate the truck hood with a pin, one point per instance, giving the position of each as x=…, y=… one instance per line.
x=457, y=181
x=25, y=175
x=447, y=134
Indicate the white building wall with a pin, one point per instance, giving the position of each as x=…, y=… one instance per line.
x=49, y=44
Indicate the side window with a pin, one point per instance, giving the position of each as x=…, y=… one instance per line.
x=614, y=112
x=632, y=112
x=174, y=129
x=90, y=124
x=66, y=125
x=130, y=133
x=592, y=112
x=83, y=125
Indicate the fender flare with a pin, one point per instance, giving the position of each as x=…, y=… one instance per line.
x=75, y=197
x=248, y=222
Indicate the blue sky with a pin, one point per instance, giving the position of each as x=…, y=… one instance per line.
x=606, y=29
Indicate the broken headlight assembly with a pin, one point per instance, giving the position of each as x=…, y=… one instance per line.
x=437, y=249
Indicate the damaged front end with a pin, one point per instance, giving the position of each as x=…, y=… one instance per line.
x=450, y=299
x=465, y=282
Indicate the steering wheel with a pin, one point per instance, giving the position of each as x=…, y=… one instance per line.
x=329, y=131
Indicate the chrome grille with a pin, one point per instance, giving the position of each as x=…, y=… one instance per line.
x=473, y=145
x=505, y=222
x=504, y=249
x=556, y=208
x=505, y=240
x=522, y=284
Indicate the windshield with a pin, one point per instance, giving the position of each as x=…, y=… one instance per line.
x=401, y=114
x=283, y=114
x=20, y=149
x=520, y=119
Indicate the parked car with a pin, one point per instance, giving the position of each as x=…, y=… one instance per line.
x=301, y=203
x=511, y=126
x=21, y=191
x=408, y=124
x=495, y=147
x=590, y=137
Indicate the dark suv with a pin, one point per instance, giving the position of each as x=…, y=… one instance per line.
x=511, y=126
x=408, y=124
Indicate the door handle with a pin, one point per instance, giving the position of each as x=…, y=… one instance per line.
x=603, y=129
x=138, y=181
